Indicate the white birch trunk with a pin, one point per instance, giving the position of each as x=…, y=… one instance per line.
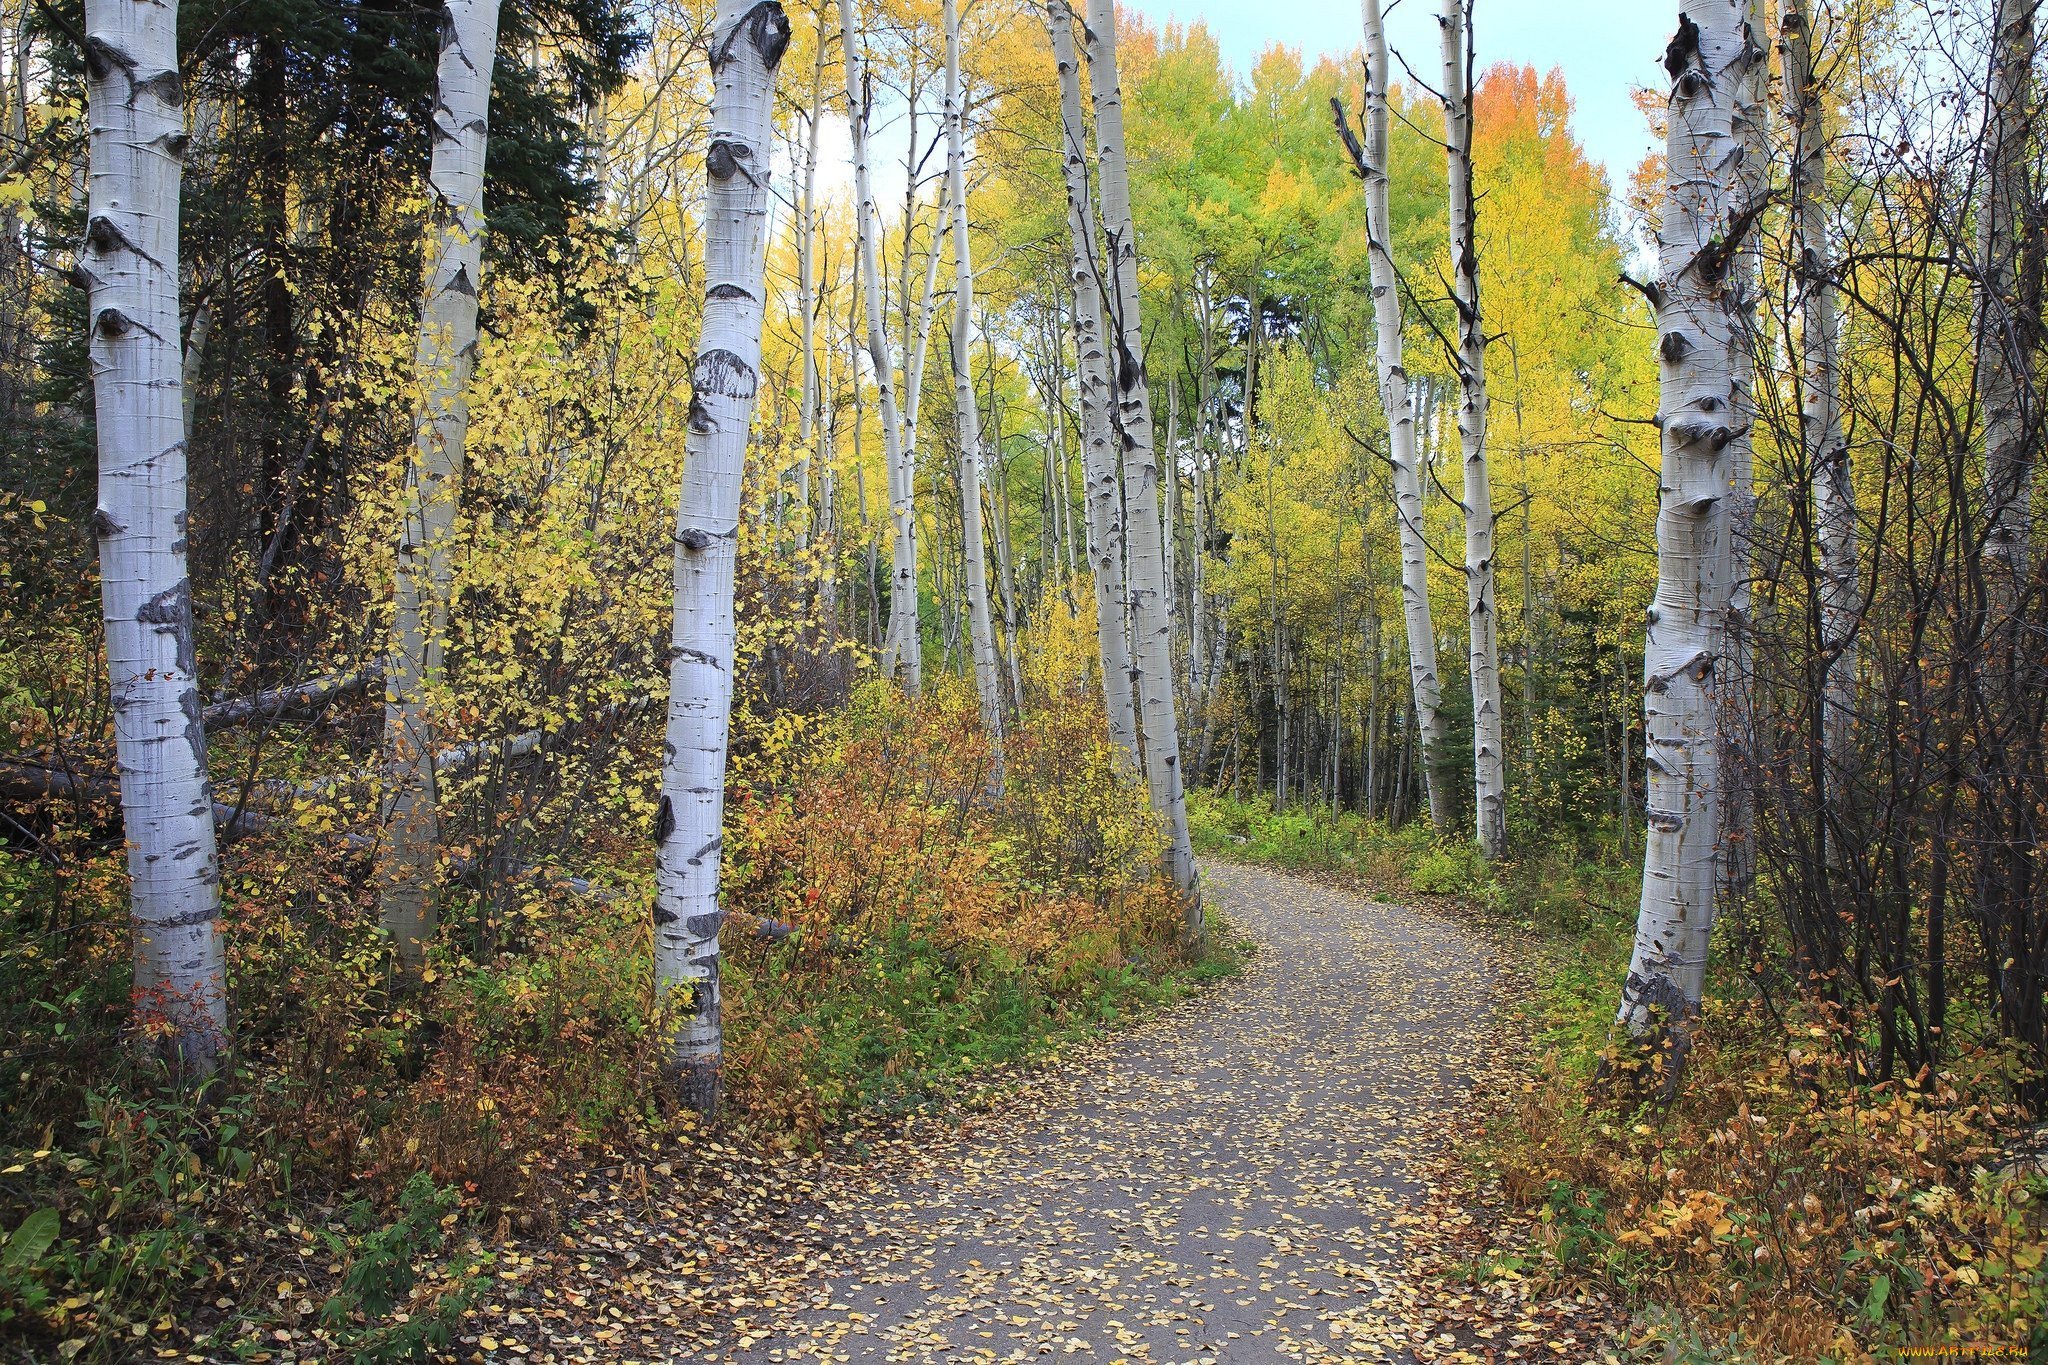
x=828, y=494
x=1169, y=511
x=1399, y=405
x=1820, y=409
x=129, y=260
x=1738, y=718
x=1102, y=498
x=1489, y=759
x=443, y=361
x=746, y=45
x=905, y=644
x=1686, y=637
x=1152, y=626
x=917, y=337
x=2008, y=325
x=988, y=683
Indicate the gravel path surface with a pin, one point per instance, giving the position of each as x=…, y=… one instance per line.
x=1231, y=1181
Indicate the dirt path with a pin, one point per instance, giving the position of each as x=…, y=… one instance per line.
x=1229, y=1182
x=1262, y=1173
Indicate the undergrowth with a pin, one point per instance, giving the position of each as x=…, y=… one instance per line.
x=339, y=1189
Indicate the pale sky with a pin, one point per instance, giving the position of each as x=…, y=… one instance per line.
x=1606, y=47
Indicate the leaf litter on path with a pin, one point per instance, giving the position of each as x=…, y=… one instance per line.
x=1265, y=1172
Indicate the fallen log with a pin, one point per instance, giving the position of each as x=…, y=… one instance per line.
x=25, y=780
x=297, y=702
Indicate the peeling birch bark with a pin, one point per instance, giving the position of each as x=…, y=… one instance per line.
x=745, y=48
x=129, y=261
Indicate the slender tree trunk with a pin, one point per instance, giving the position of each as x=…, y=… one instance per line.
x=1006, y=578
x=745, y=47
x=196, y=337
x=917, y=336
x=444, y=361
x=806, y=266
x=2008, y=303
x=1686, y=639
x=1151, y=638
x=1219, y=648
x=1170, y=531
x=1399, y=406
x=828, y=500
x=905, y=647
x=129, y=261
x=1489, y=761
x=1104, y=501
x=1372, y=705
x=1337, y=666
x=1205, y=441
x=1279, y=634
x=1820, y=409
x=988, y=683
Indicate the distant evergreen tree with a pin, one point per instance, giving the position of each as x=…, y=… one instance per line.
x=306, y=169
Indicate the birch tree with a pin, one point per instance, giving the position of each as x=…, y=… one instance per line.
x=1489, y=760
x=1151, y=622
x=1825, y=450
x=129, y=263
x=905, y=647
x=746, y=46
x=1745, y=293
x=1102, y=495
x=1699, y=416
x=981, y=633
x=1398, y=403
x=2008, y=301
x=444, y=359
x=806, y=257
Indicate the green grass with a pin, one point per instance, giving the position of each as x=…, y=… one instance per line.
x=1304, y=838
x=907, y=1024
x=1572, y=884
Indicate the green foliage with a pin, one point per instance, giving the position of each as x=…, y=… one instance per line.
x=1446, y=872
x=384, y=1272
x=1548, y=887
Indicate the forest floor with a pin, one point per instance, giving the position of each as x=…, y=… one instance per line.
x=1268, y=1171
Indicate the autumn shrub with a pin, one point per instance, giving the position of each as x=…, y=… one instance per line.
x=904, y=917
x=1787, y=1205
x=930, y=918
x=1790, y=1205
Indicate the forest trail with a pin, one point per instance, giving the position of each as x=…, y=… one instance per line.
x=1234, y=1180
